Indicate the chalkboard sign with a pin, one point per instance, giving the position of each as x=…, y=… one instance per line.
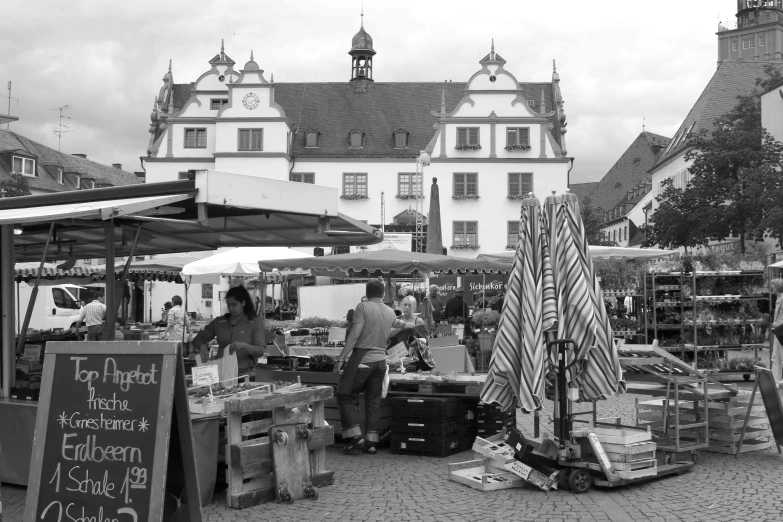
x=103, y=430
x=765, y=382
x=769, y=393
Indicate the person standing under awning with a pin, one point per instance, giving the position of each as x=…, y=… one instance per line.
x=93, y=316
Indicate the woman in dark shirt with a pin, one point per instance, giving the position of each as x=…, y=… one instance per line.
x=240, y=330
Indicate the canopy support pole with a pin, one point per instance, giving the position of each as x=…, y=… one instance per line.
x=262, y=311
x=7, y=306
x=185, y=348
x=126, y=270
x=111, y=300
x=29, y=313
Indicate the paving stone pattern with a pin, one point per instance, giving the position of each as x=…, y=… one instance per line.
x=390, y=487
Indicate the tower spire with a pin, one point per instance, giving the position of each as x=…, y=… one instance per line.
x=222, y=50
x=169, y=64
x=251, y=54
x=362, y=14
x=492, y=52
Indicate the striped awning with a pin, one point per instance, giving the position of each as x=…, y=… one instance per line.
x=24, y=272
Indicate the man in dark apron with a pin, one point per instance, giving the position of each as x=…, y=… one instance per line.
x=365, y=369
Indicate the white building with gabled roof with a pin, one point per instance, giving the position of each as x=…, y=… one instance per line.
x=491, y=140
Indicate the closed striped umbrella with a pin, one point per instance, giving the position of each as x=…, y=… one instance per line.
x=581, y=312
x=516, y=372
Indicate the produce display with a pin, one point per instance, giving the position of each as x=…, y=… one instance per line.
x=222, y=392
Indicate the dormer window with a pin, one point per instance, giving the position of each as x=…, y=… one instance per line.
x=400, y=139
x=311, y=139
x=77, y=180
x=59, y=176
x=87, y=184
x=24, y=166
x=356, y=139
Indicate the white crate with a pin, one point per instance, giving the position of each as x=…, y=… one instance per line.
x=478, y=474
x=620, y=436
x=495, y=449
x=630, y=452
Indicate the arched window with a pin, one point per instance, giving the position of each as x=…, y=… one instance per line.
x=400, y=139
x=356, y=139
x=311, y=139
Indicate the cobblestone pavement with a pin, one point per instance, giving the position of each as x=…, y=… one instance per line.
x=390, y=487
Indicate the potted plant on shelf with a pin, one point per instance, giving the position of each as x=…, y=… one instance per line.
x=322, y=363
x=485, y=322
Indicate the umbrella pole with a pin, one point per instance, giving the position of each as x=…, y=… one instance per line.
x=185, y=322
x=18, y=304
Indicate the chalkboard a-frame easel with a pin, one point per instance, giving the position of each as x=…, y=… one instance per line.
x=103, y=434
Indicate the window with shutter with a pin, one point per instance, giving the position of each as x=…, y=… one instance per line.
x=303, y=177
x=465, y=233
x=311, y=139
x=250, y=139
x=462, y=136
x=520, y=184
x=465, y=184
x=408, y=184
x=195, y=138
x=400, y=140
x=355, y=184
x=512, y=234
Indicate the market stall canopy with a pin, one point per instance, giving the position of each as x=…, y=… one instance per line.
x=24, y=272
x=779, y=264
x=165, y=267
x=596, y=252
x=386, y=262
x=237, y=262
x=214, y=210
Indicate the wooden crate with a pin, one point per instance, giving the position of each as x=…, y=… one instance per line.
x=630, y=452
x=621, y=436
x=248, y=452
x=479, y=474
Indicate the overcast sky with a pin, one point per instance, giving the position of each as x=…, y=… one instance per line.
x=619, y=62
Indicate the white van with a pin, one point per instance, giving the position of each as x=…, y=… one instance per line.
x=55, y=307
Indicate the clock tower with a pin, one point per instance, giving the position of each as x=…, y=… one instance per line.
x=759, y=33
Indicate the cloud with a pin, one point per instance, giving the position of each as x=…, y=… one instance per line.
x=619, y=62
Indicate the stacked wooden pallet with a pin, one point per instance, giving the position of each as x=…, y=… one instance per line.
x=725, y=420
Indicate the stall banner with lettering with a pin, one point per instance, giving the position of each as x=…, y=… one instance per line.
x=471, y=285
x=102, y=433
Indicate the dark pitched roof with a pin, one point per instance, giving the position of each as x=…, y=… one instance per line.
x=629, y=171
x=335, y=109
x=582, y=189
x=48, y=160
x=732, y=79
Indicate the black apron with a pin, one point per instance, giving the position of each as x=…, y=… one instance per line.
x=349, y=372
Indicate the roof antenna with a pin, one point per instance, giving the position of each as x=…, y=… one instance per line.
x=59, y=126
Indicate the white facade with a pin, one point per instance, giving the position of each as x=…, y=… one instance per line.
x=772, y=112
x=493, y=102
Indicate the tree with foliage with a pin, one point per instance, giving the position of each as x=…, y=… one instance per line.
x=592, y=223
x=731, y=166
x=17, y=185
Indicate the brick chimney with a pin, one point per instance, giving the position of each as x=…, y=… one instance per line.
x=83, y=156
x=117, y=166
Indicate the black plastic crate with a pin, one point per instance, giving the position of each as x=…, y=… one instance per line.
x=428, y=408
x=426, y=427
x=426, y=445
x=470, y=410
x=508, y=421
x=488, y=432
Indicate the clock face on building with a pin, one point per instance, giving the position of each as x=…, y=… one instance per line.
x=250, y=101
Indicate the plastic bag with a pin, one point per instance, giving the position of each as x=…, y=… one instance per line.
x=385, y=387
x=228, y=367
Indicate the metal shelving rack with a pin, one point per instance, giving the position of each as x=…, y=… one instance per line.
x=695, y=301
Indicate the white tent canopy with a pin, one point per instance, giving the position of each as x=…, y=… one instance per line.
x=241, y=261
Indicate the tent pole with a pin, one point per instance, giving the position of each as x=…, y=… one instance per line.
x=111, y=308
x=29, y=313
x=185, y=348
x=18, y=304
x=124, y=276
x=7, y=304
x=262, y=312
